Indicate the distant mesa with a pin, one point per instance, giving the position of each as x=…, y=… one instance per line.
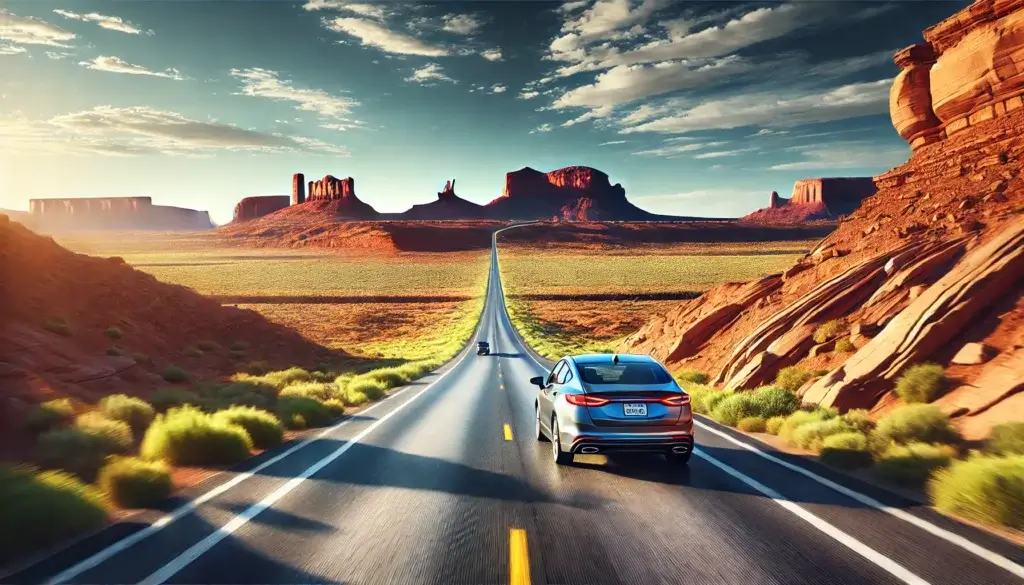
x=113, y=213
x=448, y=206
x=255, y=207
x=816, y=199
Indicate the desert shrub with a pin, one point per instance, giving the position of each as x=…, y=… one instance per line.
x=297, y=412
x=800, y=418
x=730, y=410
x=189, y=436
x=828, y=330
x=847, y=450
x=752, y=424
x=240, y=393
x=773, y=425
x=283, y=378
x=709, y=400
x=116, y=434
x=136, y=412
x=141, y=358
x=915, y=423
x=44, y=508
x=911, y=464
x=192, y=352
x=812, y=435
x=57, y=325
x=1006, y=439
x=372, y=389
x=115, y=351
x=353, y=398
x=860, y=420
x=72, y=450
x=691, y=377
x=769, y=402
x=257, y=368
x=238, y=346
x=316, y=390
x=131, y=482
x=388, y=377
x=113, y=333
x=844, y=345
x=175, y=375
x=50, y=414
x=983, y=488
x=264, y=428
x=208, y=345
x=921, y=383
x=698, y=395
x=792, y=378
x=336, y=406
x=167, y=398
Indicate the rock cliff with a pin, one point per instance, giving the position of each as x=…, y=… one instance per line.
x=113, y=213
x=448, y=206
x=816, y=199
x=255, y=207
x=341, y=194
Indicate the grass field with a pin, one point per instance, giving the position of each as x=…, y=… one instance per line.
x=554, y=295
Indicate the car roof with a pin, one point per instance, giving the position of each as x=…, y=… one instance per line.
x=608, y=358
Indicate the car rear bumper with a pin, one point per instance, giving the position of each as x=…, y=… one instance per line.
x=672, y=442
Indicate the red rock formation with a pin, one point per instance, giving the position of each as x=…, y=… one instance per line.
x=910, y=99
x=448, y=206
x=114, y=213
x=840, y=195
x=298, y=189
x=254, y=207
x=775, y=202
x=342, y=194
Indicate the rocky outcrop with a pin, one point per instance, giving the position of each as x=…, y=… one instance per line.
x=841, y=195
x=298, y=188
x=113, y=213
x=448, y=206
x=969, y=69
x=342, y=194
x=775, y=202
x=256, y=207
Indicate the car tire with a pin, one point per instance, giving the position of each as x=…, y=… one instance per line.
x=678, y=458
x=560, y=457
x=537, y=431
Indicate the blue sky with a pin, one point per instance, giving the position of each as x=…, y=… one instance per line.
x=696, y=108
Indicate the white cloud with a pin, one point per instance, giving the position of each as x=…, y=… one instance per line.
x=372, y=34
x=572, y=6
x=611, y=142
x=848, y=155
x=528, y=95
x=55, y=55
x=768, y=132
x=498, y=88
x=541, y=128
x=676, y=150
x=142, y=130
x=264, y=83
x=364, y=9
x=775, y=110
x=118, y=65
x=492, y=54
x=723, y=153
x=12, y=50
x=461, y=24
x=108, y=22
x=429, y=73
x=27, y=30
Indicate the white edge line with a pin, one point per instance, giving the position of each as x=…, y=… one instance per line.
x=950, y=537
x=882, y=561
x=185, y=509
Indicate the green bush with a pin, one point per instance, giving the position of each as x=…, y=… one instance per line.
x=113, y=333
x=41, y=509
x=710, y=400
x=800, y=418
x=238, y=346
x=136, y=412
x=912, y=464
x=792, y=378
x=847, y=450
x=372, y=389
x=57, y=325
x=1006, y=439
x=175, y=375
x=283, y=378
x=189, y=436
x=730, y=410
x=50, y=414
x=115, y=351
x=828, y=330
x=388, y=377
x=208, y=345
x=773, y=425
x=698, y=395
x=257, y=368
x=241, y=393
x=131, y=482
x=751, y=424
x=264, y=428
x=691, y=377
x=336, y=406
x=921, y=383
x=167, y=398
x=141, y=358
x=812, y=435
x=986, y=489
x=73, y=450
x=298, y=412
x=316, y=390
x=115, y=433
x=860, y=419
x=352, y=398
x=192, y=352
x=763, y=402
x=844, y=345
x=915, y=423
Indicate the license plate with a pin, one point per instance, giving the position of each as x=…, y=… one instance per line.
x=639, y=409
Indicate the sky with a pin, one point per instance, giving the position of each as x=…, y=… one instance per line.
x=697, y=109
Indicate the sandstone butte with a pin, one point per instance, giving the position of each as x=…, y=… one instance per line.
x=123, y=213
x=932, y=262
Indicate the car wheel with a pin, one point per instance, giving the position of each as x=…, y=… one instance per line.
x=560, y=457
x=537, y=431
x=678, y=458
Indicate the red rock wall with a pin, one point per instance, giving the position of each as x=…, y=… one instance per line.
x=298, y=189
x=584, y=180
x=331, y=188
x=254, y=207
x=775, y=202
x=113, y=213
x=839, y=194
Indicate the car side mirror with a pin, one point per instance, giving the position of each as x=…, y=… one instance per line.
x=538, y=381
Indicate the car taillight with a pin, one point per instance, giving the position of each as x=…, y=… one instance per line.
x=584, y=400
x=676, y=400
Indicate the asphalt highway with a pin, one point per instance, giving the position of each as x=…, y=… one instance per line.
x=442, y=483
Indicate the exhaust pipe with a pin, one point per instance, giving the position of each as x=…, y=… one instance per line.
x=589, y=450
x=680, y=449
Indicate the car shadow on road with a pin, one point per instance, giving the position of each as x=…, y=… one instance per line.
x=507, y=355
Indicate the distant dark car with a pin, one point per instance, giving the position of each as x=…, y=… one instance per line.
x=483, y=348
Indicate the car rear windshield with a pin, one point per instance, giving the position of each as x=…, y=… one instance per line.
x=624, y=374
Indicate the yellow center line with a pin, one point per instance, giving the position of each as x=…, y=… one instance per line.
x=508, y=433
x=518, y=558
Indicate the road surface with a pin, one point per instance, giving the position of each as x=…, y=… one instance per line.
x=442, y=483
